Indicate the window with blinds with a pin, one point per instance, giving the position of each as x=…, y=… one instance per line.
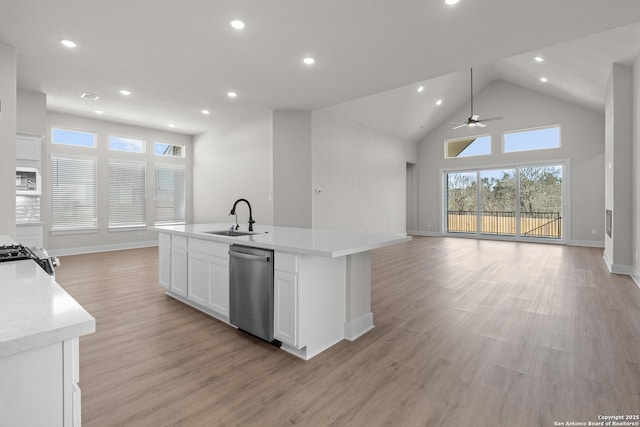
x=170, y=194
x=127, y=200
x=74, y=204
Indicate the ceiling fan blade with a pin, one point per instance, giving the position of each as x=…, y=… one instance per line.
x=491, y=118
x=481, y=125
x=475, y=117
x=460, y=126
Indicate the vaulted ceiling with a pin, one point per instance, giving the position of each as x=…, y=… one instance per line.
x=178, y=58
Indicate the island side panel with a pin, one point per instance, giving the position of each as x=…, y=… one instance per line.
x=358, y=316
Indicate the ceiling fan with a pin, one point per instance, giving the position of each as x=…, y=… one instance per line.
x=474, y=119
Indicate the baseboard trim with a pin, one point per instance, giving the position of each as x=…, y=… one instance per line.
x=424, y=233
x=358, y=327
x=636, y=277
x=102, y=248
x=587, y=243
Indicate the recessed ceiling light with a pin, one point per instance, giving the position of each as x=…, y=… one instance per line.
x=538, y=58
x=232, y=94
x=439, y=102
x=543, y=79
x=308, y=60
x=205, y=112
x=237, y=24
x=420, y=89
x=451, y=2
x=171, y=125
x=68, y=43
x=91, y=96
x=125, y=92
x=98, y=112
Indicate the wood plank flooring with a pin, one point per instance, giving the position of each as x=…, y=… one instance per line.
x=468, y=333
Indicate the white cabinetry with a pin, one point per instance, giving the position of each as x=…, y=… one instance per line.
x=179, y=265
x=208, y=276
x=28, y=189
x=285, y=299
x=28, y=147
x=164, y=247
x=39, y=387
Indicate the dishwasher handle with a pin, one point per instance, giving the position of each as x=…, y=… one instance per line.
x=249, y=256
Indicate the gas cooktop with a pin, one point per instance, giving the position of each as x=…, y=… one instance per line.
x=14, y=253
x=19, y=252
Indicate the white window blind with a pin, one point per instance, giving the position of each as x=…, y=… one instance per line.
x=127, y=201
x=170, y=194
x=74, y=204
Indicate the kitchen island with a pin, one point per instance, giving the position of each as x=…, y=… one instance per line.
x=322, y=278
x=39, y=360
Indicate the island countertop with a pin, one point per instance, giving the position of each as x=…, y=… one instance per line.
x=308, y=241
x=35, y=311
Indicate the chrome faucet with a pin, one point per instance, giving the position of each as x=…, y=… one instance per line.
x=233, y=212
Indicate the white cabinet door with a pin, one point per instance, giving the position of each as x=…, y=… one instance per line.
x=28, y=147
x=219, y=285
x=209, y=275
x=285, y=307
x=164, y=258
x=179, y=265
x=198, y=275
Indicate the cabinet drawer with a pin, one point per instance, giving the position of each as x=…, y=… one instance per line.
x=286, y=262
x=219, y=250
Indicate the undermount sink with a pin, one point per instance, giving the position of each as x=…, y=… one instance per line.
x=233, y=233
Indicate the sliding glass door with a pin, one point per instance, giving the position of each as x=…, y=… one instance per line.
x=523, y=202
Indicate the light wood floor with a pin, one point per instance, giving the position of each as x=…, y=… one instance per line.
x=468, y=333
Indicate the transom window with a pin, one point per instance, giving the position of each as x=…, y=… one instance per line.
x=162, y=149
x=532, y=139
x=73, y=137
x=467, y=147
x=127, y=144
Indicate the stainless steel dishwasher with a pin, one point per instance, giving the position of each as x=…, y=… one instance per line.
x=251, y=290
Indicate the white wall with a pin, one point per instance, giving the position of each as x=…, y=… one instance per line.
x=32, y=112
x=582, y=133
x=8, y=141
x=618, y=167
x=292, y=168
x=233, y=163
x=103, y=240
x=362, y=174
x=636, y=171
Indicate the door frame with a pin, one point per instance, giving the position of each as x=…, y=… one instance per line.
x=566, y=201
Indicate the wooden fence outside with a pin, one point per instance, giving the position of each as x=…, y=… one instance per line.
x=532, y=224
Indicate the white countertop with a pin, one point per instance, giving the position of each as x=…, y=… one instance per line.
x=330, y=243
x=35, y=311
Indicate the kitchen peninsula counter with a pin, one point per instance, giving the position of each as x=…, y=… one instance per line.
x=40, y=324
x=322, y=278
x=307, y=241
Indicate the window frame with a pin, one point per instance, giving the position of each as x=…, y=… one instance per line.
x=504, y=134
x=133, y=226
x=112, y=150
x=93, y=133
x=162, y=156
x=57, y=229
x=447, y=141
x=175, y=166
